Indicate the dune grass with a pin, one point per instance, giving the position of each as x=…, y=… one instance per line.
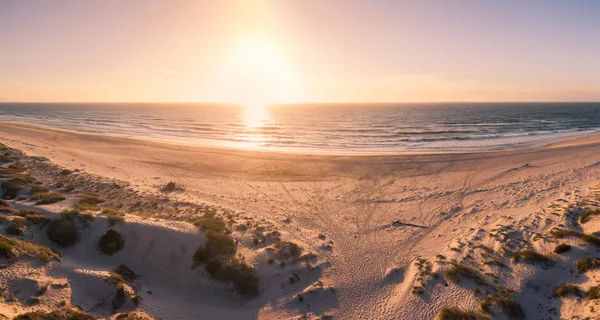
x=531, y=256
x=287, y=250
x=90, y=202
x=453, y=313
x=587, y=263
x=458, y=272
x=567, y=289
x=212, y=224
x=585, y=216
x=60, y=314
x=593, y=293
x=18, y=226
x=113, y=216
x=30, y=249
x=47, y=197
x=111, y=242
x=562, y=233
x=125, y=272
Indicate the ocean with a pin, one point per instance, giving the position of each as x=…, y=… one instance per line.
x=326, y=127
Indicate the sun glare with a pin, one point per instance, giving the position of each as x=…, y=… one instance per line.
x=257, y=75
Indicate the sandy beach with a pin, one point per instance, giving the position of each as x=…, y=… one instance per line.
x=380, y=235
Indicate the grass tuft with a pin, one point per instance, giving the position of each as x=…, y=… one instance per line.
x=587, y=263
x=562, y=233
x=567, y=289
x=458, y=272
x=531, y=256
x=90, y=202
x=453, y=313
x=33, y=250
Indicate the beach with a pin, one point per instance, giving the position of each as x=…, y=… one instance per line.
x=341, y=210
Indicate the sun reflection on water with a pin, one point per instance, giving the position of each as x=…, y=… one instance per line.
x=256, y=119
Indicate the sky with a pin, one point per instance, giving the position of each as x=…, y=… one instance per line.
x=282, y=51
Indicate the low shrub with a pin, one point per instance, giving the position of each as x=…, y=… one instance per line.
x=586, y=263
x=242, y=275
x=111, y=242
x=562, y=248
x=62, y=232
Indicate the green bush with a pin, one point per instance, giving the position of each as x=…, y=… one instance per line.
x=63, y=232
x=111, y=242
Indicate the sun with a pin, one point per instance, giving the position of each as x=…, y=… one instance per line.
x=257, y=75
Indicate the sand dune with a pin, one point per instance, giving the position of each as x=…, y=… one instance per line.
x=474, y=210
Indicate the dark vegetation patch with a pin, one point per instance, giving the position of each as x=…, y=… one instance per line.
x=84, y=218
x=453, y=313
x=458, y=272
x=287, y=250
x=62, y=232
x=587, y=213
x=113, y=216
x=7, y=245
x=587, y=263
x=501, y=300
x=212, y=224
x=90, y=201
x=567, y=289
x=125, y=272
x=170, y=187
x=17, y=227
x=39, y=189
x=594, y=293
x=61, y=314
x=111, y=242
x=47, y=197
x=562, y=248
x=531, y=256
x=221, y=263
x=562, y=233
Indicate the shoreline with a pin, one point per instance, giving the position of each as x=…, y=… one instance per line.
x=588, y=138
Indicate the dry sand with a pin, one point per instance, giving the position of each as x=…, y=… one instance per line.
x=465, y=209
